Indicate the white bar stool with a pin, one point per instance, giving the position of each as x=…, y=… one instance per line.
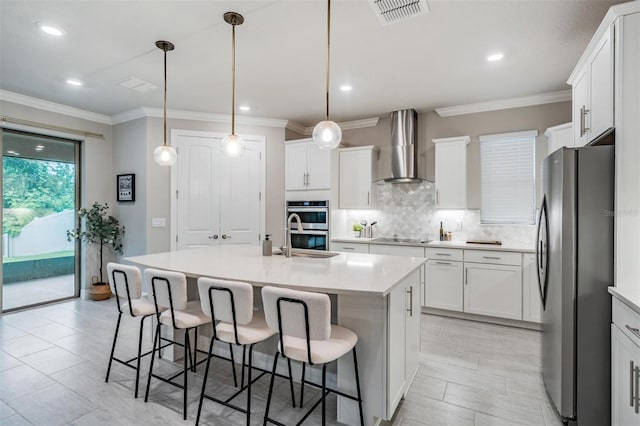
x=172, y=309
x=303, y=320
x=126, y=284
x=230, y=306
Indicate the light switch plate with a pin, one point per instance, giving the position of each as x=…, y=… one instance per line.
x=158, y=222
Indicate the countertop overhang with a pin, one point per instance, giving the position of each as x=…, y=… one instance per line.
x=346, y=273
x=438, y=244
x=628, y=296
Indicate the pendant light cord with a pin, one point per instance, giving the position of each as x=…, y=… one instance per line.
x=328, y=52
x=233, y=79
x=165, y=98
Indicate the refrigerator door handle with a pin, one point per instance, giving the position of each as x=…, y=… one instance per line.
x=542, y=261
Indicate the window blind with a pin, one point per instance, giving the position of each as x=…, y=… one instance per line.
x=507, y=163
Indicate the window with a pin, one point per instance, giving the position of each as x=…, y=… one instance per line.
x=507, y=163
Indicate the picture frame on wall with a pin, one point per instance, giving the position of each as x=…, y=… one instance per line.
x=126, y=184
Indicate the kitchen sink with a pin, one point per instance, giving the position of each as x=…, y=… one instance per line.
x=314, y=254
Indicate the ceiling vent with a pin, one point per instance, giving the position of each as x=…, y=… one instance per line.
x=392, y=11
x=138, y=85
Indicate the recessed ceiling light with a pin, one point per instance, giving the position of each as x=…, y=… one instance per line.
x=495, y=57
x=39, y=147
x=13, y=152
x=50, y=29
x=245, y=108
x=74, y=82
x=346, y=88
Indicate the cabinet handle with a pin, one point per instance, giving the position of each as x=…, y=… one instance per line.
x=437, y=197
x=368, y=198
x=586, y=111
x=466, y=276
x=637, y=397
x=634, y=331
x=582, y=121
x=348, y=248
x=443, y=254
x=491, y=257
x=410, y=292
x=308, y=180
x=632, y=398
x=443, y=263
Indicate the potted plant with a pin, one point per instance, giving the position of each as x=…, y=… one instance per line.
x=101, y=230
x=357, y=230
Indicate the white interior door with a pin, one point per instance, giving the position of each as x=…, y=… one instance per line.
x=198, y=196
x=240, y=196
x=219, y=200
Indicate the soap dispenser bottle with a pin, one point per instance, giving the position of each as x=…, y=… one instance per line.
x=267, y=248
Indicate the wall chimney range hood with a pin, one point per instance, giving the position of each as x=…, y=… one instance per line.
x=404, y=147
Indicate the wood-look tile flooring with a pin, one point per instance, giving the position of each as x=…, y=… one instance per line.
x=53, y=361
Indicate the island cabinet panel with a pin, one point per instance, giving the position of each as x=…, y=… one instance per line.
x=625, y=392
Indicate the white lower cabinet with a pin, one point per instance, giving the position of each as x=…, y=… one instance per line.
x=443, y=285
x=494, y=290
x=531, y=299
x=625, y=365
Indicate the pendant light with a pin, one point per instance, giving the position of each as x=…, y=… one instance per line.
x=233, y=145
x=165, y=155
x=327, y=134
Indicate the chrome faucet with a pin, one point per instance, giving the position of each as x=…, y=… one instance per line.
x=289, y=221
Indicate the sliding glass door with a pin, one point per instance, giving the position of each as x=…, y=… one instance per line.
x=40, y=181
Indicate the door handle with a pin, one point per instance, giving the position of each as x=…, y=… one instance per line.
x=213, y=237
x=226, y=237
x=634, y=331
x=410, y=293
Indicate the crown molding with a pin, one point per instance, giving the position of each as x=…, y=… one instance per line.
x=540, y=99
x=344, y=125
x=177, y=114
x=297, y=127
x=29, y=101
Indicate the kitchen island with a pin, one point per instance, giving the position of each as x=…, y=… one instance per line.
x=376, y=296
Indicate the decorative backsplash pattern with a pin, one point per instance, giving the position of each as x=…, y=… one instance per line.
x=407, y=210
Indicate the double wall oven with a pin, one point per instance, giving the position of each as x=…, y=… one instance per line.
x=315, y=224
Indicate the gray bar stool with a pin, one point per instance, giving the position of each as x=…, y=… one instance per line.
x=303, y=321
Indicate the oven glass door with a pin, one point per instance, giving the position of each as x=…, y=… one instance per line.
x=312, y=218
x=312, y=240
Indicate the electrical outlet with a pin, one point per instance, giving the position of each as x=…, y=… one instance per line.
x=459, y=226
x=158, y=222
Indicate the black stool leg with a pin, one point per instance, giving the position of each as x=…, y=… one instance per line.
x=293, y=395
x=187, y=351
x=304, y=364
x=113, y=347
x=249, y=384
x=204, y=381
x=233, y=366
x=153, y=354
x=324, y=394
x=139, y=352
x=355, y=365
x=273, y=375
x=244, y=352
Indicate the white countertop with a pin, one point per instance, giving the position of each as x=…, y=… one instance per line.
x=628, y=296
x=346, y=273
x=439, y=244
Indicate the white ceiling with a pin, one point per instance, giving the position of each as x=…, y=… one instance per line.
x=433, y=60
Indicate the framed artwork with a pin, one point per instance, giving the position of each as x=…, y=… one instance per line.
x=126, y=187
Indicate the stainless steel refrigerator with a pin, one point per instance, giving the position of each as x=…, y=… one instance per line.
x=575, y=267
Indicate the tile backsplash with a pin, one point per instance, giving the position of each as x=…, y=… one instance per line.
x=407, y=210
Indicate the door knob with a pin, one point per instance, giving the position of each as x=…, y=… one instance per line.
x=214, y=237
x=225, y=236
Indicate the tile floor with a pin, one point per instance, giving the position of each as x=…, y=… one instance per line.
x=25, y=293
x=53, y=360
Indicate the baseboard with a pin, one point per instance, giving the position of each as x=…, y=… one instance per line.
x=482, y=318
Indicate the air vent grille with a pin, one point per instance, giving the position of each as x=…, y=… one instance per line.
x=138, y=85
x=391, y=11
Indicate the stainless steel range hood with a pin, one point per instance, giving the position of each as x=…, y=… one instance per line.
x=404, y=147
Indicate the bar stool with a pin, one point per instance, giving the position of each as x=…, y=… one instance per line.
x=310, y=342
x=126, y=284
x=230, y=306
x=172, y=309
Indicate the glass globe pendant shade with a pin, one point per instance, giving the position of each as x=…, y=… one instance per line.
x=165, y=155
x=233, y=146
x=327, y=134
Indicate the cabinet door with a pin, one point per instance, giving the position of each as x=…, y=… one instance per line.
x=443, y=285
x=355, y=179
x=531, y=301
x=494, y=290
x=625, y=356
x=600, y=116
x=412, y=329
x=295, y=166
x=318, y=167
x=451, y=175
x=580, y=104
x=397, y=304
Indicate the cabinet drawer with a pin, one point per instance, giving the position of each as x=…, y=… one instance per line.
x=493, y=257
x=627, y=320
x=445, y=254
x=396, y=250
x=350, y=247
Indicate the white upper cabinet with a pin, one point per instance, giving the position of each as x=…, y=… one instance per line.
x=593, y=87
x=357, y=170
x=306, y=166
x=451, y=172
x=559, y=136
